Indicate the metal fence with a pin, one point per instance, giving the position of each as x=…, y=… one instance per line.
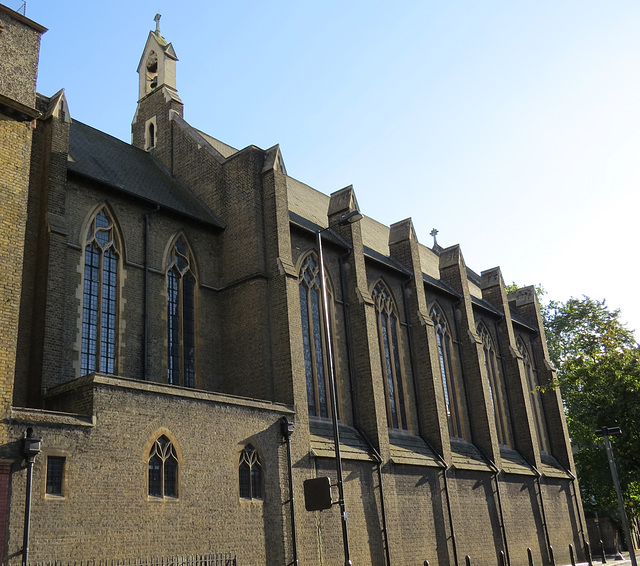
x=211, y=559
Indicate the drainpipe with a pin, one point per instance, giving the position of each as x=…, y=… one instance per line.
x=448, y=498
x=378, y=459
x=445, y=465
x=445, y=468
x=354, y=406
x=544, y=515
x=575, y=498
x=287, y=431
x=496, y=472
x=145, y=309
x=31, y=447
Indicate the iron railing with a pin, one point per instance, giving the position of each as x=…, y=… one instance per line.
x=210, y=559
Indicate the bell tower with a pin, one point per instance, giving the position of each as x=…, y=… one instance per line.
x=157, y=95
x=157, y=65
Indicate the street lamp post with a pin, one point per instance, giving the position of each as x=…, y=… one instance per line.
x=606, y=432
x=347, y=218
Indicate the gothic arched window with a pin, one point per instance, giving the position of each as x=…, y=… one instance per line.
x=454, y=393
x=313, y=336
x=181, y=286
x=100, y=295
x=388, y=331
x=250, y=474
x=536, y=395
x=497, y=387
x=163, y=469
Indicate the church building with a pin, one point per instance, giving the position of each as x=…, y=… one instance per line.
x=168, y=358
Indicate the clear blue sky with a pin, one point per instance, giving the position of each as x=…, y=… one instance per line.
x=512, y=127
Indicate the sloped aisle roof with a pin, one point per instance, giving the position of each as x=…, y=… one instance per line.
x=103, y=158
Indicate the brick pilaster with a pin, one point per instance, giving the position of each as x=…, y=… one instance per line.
x=493, y=291
x=403, y=246
x=483, y=429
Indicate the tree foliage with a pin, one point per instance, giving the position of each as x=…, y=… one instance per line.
x=598, y=371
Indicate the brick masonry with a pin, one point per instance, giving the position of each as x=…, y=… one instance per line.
x=412, y=495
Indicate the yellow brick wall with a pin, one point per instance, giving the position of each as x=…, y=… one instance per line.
x=15, y=153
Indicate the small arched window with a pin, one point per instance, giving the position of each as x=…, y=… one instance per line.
x=536, y=395
x=454, y=392
x=250, y=474
x=100, y=295
x=313, y=336
x=388, y=337
x=181, y=287
x=163, y=469
x=497, y=387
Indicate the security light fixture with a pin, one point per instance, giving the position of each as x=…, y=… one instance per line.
x=350, y=217
x=608, y=431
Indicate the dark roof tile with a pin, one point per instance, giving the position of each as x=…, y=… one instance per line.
x=103, y=158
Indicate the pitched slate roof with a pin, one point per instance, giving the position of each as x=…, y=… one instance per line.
x=103, y=158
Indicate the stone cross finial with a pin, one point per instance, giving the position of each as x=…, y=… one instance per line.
x=157, y=20
x=434, y=233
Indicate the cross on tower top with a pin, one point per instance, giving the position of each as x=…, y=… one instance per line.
x=157, y=20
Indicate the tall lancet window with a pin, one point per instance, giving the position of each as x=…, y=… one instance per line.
x=314, y=339
x=536, y=395
x=497, y=387
x=181, y=286
x=388, y=331
x=454, y=393
x=100, y=295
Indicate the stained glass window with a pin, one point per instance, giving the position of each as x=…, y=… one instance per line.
x=250, y=474
x=536, y=395
x=163, y=469
x=497, y=387
x=181, y=285
x=100, y=296
x=313, y=336
x=454, y=392
x=387, y=319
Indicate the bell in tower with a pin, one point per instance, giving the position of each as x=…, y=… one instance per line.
x=152, y=70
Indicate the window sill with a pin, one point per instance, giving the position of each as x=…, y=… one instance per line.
x=55, y=496
x=160, y=499
x=250, y=502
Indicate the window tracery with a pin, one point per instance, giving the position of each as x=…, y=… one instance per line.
x=250, y=474
x=454, y=393
x=163, y=469
x=314, y=339
x=388, y=331
x=181, y=286
x=497, y=387
x=100, y=295
x=536, y=396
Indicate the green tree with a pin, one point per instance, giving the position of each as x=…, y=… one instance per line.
x=598, y=371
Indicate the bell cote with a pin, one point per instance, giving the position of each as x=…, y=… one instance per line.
x=157, y=65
